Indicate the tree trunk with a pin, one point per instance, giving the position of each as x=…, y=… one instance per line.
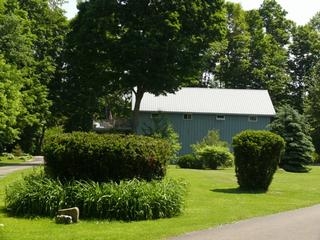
x=135, y=118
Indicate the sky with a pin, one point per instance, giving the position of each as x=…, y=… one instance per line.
x=300, y=11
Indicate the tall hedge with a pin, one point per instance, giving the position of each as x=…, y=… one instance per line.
x=257, y=155
x=105, y=157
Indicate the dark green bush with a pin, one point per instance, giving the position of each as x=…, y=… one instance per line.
x=257, y=155
x=189, y=161
x=37, y=195
x=207, y=156
x=105, y=157
x=213, y=157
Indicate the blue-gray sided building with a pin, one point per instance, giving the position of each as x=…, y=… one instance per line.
x=193, y=112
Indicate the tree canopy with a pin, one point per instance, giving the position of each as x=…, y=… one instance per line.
x=118, y=47
x=31, y=33
x=140, y=46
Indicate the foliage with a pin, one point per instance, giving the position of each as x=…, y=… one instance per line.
x=255, y=55
x=304, y=52
x=31, y=41
x=105, y=157
x=312, y=106
x=10, y=103
x=37, y=195
x=34, y=195
x=234, y=60
x=275, y=21
x=257, y=155
x=213, y=157
x=140, y=46
x=161, y=128
x=9, y=158
x=207, y=157
x=292, y=126
x=189, y=161
x=210, y=153
x=315, y=22
x=315, y=135
x=231, y=204
x=212, y=139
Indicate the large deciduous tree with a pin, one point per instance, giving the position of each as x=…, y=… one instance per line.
x=49, y=26
x=10, y=103
x=140, y=46
x=30, y=40
x=304, y=52
x=256, y=56
x=315, y=22
x=312, y=105
x=234, y=62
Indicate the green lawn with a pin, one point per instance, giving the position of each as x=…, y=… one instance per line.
x=213, y=199
x=5, y=161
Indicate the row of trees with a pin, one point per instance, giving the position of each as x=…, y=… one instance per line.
x=158, y=46
x=31, y=40
x=59, y=72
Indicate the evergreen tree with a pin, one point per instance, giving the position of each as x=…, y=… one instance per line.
x=292, y=127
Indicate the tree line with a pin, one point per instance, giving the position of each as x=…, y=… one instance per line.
x=60, y=72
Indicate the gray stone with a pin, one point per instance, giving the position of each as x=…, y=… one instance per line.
x=73, y=212
x=63, y=219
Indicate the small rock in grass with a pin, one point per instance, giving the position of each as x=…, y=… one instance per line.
x=73, y=212
x=63, y=219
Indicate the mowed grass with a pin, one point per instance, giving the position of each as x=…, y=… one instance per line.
x=213, y=199
x=5, y=161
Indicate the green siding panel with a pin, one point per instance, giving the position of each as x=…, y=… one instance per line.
x=192, y=131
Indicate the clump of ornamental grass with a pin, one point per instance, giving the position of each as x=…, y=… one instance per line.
x=38, y=195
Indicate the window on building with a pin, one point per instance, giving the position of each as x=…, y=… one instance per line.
x=220, y=117
x=155, y=115
x=253, y=119
x=187, y=116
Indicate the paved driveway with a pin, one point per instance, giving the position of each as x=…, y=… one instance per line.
x=36, y=161
x=301, y=224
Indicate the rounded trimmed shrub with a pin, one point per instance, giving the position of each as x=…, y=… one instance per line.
x=189, y=161
x=257, y=155
x=105, y=157
x=213, y=157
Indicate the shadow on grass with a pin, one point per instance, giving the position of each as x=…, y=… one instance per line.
x=238, y=191
x=18, y=164
x=9, y=164
x=3, y=210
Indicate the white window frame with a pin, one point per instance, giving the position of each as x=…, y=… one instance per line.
x=220, y=117
x=187, y=116
x=253, y=119
x=155, y=115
